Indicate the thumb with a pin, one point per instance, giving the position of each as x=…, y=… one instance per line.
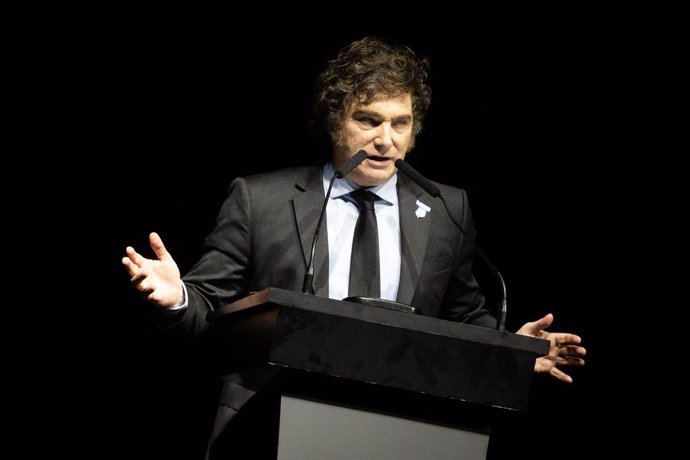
x=158, y=247
x=535, y=327
x=545, y=321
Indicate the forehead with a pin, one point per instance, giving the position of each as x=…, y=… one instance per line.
x=385, y=105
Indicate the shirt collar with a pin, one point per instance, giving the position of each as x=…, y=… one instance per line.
x=386, y=192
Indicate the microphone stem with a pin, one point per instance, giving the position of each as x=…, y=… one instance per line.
x=344, y=170
x=434, y=191
x=309, y=275
x=503, y=307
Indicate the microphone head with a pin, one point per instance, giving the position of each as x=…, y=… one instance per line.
x=350, y=164
x=416, y=177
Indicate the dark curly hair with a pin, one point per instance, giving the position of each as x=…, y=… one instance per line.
x=368, y=68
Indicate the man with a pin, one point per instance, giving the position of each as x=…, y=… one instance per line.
x=372, y=97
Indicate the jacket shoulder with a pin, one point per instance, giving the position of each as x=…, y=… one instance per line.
x=304, y=176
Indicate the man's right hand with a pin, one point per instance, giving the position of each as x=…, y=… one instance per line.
x=157, y=280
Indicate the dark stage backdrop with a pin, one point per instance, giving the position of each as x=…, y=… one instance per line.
x=155, y=116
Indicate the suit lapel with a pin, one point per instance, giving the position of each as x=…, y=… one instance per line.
x=414, y=234
x=307, y=207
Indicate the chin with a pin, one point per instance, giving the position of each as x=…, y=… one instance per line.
x=371, y=180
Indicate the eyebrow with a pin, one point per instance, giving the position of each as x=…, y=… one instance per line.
x=369, y=113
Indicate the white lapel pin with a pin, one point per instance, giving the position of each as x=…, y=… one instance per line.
x=422, y=209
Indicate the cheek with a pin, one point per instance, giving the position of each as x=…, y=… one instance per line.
x=355, y=138
x=401, y=140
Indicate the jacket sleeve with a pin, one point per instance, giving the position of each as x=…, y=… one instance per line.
x=221, y=275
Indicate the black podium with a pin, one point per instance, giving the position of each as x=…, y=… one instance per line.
x=366, y=382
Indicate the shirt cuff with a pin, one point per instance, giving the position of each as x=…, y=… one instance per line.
x=185, y=300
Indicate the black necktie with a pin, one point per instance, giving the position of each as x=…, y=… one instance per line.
x=364, y=263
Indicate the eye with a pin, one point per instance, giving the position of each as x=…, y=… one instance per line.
x=401, y=123
x=368, y=121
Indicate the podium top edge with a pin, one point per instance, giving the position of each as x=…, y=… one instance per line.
x=285, y=298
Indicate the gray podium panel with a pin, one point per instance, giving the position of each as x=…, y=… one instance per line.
x=315, y=430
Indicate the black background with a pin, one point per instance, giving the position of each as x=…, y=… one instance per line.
x=154, y=114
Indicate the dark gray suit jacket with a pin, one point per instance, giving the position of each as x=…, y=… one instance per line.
x=263, y=237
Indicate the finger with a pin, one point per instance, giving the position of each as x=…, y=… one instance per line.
x=136, y=258
x=143, y=285
x=565, y=338
x=560, y=375
x=573, y=361
x=572, y=350
x=567, y=356
x=563, y=358
x=138, y=278
x=158, y=247
x=129, y=266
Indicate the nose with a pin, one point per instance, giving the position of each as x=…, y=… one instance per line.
x=383, y=140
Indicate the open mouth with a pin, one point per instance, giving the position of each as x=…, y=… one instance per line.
x=378, y=158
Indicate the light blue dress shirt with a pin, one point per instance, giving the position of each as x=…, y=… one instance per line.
x=341, y=216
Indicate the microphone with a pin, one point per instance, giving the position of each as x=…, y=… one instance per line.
x=420, y=180
x=341, y=172
x=434, y=191
x=349, y=165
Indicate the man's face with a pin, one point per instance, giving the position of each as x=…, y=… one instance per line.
x=383, y=128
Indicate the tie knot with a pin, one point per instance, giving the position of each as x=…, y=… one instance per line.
x=364, y=198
